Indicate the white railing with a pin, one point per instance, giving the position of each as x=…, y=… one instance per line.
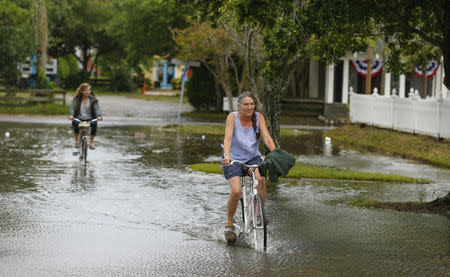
x=429, y=116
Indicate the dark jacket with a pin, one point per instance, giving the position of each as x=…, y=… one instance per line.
x=76, y=103
x=278, y=163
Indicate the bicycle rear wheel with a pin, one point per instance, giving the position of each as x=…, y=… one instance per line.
x=259, y=223
x=84, y=144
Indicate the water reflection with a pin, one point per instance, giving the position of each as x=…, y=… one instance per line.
x=83, y=178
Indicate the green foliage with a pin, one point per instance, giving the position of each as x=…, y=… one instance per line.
x=176, y=83
x=15, y=39
x=201, y=90
x=121, y=80
x=75, y=79
x=145, y=26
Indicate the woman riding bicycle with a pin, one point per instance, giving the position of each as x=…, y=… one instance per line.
x=241, y=142
x=85, y=107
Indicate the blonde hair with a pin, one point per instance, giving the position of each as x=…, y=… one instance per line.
x=82, y=87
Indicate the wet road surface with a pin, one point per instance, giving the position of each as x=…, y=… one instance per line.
x=137, y=210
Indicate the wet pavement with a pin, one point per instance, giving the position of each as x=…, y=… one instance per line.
x=136, y=209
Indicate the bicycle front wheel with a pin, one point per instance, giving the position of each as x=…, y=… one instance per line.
x=84, y=149
x=259, y=223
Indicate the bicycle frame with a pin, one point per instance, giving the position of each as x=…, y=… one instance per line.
x=83, y=126
x=248, y=200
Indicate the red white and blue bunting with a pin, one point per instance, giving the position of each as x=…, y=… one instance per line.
x=431, y=69
x=361, y=67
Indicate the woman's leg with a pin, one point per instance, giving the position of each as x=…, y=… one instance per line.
x=93, y=132
x=233, y=200
x=261, y=185
x=76, y=130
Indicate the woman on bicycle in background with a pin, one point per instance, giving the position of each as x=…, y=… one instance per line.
x=85, y=107
x=243, y=129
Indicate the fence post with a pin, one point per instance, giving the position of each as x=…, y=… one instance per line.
x=438, y=117
x=393, y=99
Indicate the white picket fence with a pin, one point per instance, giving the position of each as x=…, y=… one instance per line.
x=430, y=116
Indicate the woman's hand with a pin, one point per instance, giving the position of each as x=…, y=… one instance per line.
x=70, y=117
x=225, y=161
x=99, y=118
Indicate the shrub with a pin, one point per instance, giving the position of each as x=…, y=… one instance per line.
x=122, y=81
x=201, y=90
x=74, y=80
x=176, y=83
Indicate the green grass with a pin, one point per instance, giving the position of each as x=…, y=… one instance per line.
x=220, y=130
x=167, y=98
x=45, y=109
x=197, y=129
x=422, y=207
x=418, y=147
x=301, y=170
x=222, y=116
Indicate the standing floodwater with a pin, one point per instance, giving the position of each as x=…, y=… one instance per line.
x=136, y=209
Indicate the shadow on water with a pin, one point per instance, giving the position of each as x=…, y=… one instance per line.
x=136, y=209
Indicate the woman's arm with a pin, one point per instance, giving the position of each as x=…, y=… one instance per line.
x=267, y=139
x=229, y=129
x=72, y=109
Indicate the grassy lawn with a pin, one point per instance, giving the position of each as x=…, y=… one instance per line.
x=417, y=147
x=220, y=130
x=302, y=170
x=46, y=109
x=422, y=207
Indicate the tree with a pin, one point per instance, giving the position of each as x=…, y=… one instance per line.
x=407, y=24
x=215, y=48
x=83, y=28
x=16, y=39
x=145, y=26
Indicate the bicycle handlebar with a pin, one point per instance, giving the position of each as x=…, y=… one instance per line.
x=79, y=120
x=248, y=166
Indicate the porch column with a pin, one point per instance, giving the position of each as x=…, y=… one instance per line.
x=165, y=83
x=387, y=83
x=345, y=75
x=401, y=89
x=329, y=84
x=313, y=78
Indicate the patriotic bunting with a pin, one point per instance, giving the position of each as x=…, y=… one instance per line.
x=361, y=67
x=431, y=69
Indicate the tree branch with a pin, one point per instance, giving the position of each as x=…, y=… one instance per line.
x=404, y=22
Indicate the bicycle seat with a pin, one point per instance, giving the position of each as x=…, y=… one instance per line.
x=84, y=125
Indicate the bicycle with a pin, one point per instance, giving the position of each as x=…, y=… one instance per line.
x=252, y=207
x=83, y=142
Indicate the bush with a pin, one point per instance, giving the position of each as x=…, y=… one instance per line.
x=122, y=81
x=176, y=83
x=74, y=80
x=201, y=90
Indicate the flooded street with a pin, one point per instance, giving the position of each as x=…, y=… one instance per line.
x=136, y=209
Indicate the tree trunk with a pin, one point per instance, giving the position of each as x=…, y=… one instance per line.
x=218, y=96
x=369, y=71
x=228, y=92
x=271, y=100
x=423, y=92
x=40, y=28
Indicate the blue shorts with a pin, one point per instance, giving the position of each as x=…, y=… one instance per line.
x=237, y=170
